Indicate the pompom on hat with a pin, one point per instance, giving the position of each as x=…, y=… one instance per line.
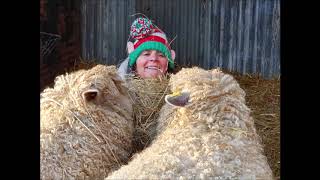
x=148, y=37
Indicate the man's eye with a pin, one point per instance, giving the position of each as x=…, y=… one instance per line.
x=161, y=55
x=146, y=54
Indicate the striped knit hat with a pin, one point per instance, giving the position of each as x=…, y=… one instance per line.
x=148, y=37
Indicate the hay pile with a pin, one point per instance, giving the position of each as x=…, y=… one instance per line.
x=147, y=96
x=81, y=64
x=263, y=98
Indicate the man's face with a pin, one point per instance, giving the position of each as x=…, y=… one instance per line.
x=151, y=64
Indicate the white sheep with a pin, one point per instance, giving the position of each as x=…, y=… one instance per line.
x=211, y=137
x=86, y=125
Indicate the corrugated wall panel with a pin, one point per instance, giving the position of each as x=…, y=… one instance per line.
x=242, y=36
x=105, y=27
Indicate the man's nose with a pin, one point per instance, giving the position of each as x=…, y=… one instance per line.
x=153, y=57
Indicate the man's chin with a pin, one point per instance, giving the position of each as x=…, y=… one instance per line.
x=151, y=73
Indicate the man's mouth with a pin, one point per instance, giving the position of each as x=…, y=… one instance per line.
x=157, y=68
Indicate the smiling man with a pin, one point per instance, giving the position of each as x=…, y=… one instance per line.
x=151, y=63
x=150, y=55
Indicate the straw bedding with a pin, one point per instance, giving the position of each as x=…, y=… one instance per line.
x=147, y=96
x=263, y=98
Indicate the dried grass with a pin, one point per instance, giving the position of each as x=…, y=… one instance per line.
x=147, y=96
x=82, y=64
x=263, y=98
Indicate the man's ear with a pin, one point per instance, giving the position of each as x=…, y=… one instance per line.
x=173, y=54
x=130, y=47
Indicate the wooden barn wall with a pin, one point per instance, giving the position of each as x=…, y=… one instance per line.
x=105, y=26
x=59, y=17
x=242, y=36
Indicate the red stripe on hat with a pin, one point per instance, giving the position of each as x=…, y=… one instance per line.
x=151, y=38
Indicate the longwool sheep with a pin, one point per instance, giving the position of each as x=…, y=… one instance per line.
x=86, y=125
x=211, y=137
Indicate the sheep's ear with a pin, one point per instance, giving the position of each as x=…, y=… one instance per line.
x=118, y=82
x=116, y=78
x=90, y=94
x=178, y=99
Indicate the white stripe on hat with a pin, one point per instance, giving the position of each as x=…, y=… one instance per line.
x=160, y=34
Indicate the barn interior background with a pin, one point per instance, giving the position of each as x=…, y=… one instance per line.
x=242, y=37
x=60, y=42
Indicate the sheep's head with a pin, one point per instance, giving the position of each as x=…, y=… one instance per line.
x=102, y=86
x=196, y=84
x=85, y=92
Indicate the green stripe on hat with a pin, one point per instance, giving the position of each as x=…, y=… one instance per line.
x=150, y=45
